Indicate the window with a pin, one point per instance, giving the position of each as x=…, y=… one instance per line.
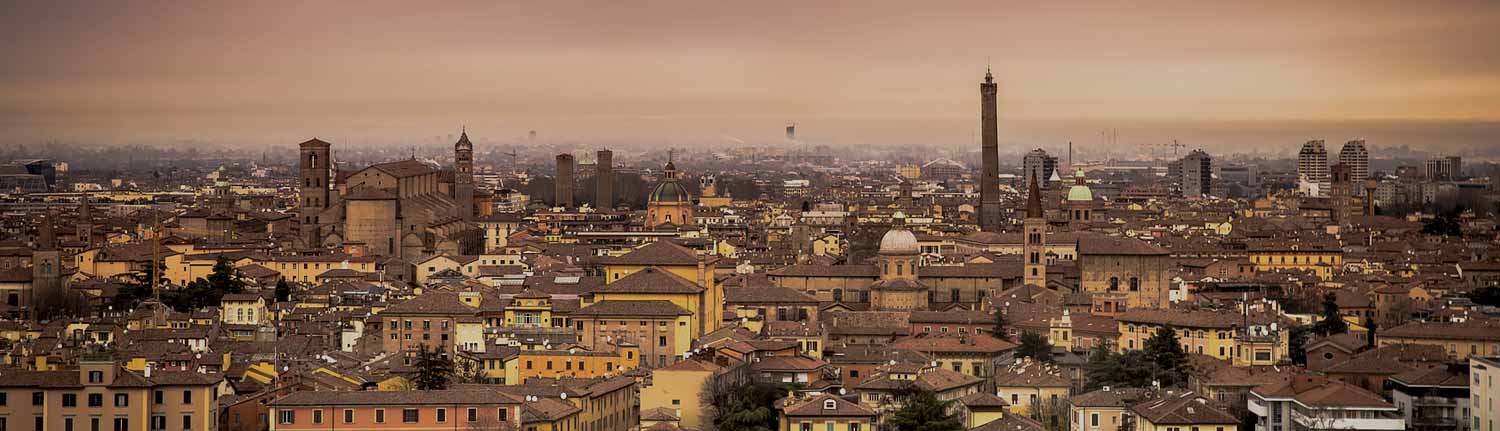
x=122, y=400
x=806, y=426
x=442, y=415
x=187, y=420
x=409, y=416
x=96, y=377
x=287, y=416
x=37, y=398
x=348, y=416
x=96, y=400
x=156, y=397
x=70, y=400
x=503, y=414
x=379, y=416
x=187, y=396
x=67, y=424
x=853, y=426
x=473, y=415
x=661, y=341
x=317, y=416
x=1093, y=419
x=41, y=423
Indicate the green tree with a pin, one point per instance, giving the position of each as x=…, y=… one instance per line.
x=1001, y=326
x=283, y=291
x=1034, y=346
x=225, y=278
x=922, y=411
x=1168, y=360
x=1446, y=223
x=1129, y=369
x=128, y=295
x=1332, y=321
x=747, y=408
x=1488, y=295
x=1297, y=343
x=434, y=369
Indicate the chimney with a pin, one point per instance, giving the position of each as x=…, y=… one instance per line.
x=148, y=370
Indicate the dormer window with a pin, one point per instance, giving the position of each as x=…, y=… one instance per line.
x=96, y=377
x=830, y=405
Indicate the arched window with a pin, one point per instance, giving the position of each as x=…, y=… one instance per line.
x=312, y=160
x=1135, y=284
x=1114, y=283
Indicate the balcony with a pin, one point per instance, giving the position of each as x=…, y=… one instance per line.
x=1328, y=421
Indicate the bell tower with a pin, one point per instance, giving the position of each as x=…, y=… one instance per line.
x=314, y=196
x=463, y=175
x=1035, y=245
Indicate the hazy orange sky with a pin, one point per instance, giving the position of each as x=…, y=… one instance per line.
x=271, y=71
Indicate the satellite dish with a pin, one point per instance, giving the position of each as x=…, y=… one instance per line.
x=564, y=395
x=843, y=391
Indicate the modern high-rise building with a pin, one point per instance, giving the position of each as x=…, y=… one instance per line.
x=1443, y=168
x=1357, y=158
x=989, y=181
x=1039, y=165
x=1197, y=174
x=604, y=180
x=564, y=185
x=1312, y=169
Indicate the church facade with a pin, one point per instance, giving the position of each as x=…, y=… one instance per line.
x=407, y=209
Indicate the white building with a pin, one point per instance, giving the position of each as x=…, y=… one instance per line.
x=1307, y=402
x=1484, y=399
x=1312, y=166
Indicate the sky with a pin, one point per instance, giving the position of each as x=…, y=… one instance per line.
x=857, y=72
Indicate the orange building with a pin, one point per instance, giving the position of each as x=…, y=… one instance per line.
x=392, y=410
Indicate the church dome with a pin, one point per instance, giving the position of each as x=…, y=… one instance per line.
x=898, y=240
x=1080, y=193
x=670, y=192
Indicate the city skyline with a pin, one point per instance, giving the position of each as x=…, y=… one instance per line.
x=1219, y=76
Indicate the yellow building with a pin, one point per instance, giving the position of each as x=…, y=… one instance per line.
x=679, y=387
x=1222, y=335
x=1182, y=411
x=824, y=413
x=1325, y=260
x=1031, y=386
x=664, y=271
x=547, y=414
x=1105, y=409
x=828, y=245
x=243, y=309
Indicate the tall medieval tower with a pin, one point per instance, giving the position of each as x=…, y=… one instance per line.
x=46, y=267
x=313, y=172
x=463, y=176
x=604, y=180
x=989, y=182
x=1035, y=245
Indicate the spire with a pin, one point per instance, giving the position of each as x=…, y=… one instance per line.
x=988, y=77
x=1033, y=198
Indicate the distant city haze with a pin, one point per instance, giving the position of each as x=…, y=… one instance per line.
x=1245, y=77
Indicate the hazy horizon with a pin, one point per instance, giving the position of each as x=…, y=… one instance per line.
x=1229, y=77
